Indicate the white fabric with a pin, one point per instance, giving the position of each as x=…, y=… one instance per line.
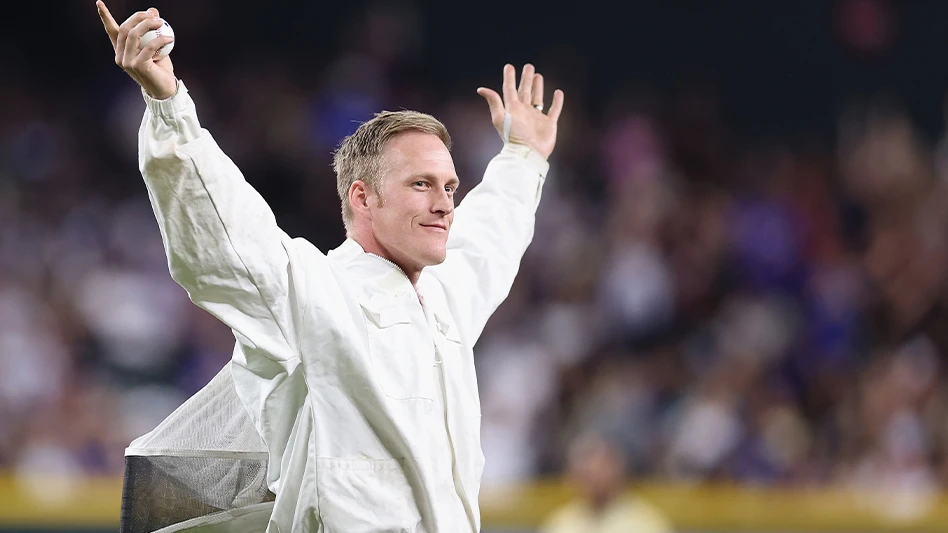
x=250, y=519
x=366, y=400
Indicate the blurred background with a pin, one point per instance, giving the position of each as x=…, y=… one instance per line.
x=734, y=305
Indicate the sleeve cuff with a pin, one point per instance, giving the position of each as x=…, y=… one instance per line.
x=169, y=107
x=534, y=159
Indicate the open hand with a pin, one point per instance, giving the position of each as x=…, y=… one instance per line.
x=156, y=76
x=528, y=124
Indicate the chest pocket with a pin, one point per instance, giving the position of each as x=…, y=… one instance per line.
x=401, y=352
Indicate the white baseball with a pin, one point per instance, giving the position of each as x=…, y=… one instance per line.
x=165, y=29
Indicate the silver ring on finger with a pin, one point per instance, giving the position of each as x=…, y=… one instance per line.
x=538, y=107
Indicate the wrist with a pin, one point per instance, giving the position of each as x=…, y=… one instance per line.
x=533, y=157
x=162, y=93
x=167, y=107
x=515, y=140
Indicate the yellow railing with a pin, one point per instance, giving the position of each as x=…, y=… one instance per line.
x=740, y=508
x=58, y=501
x=96, y=502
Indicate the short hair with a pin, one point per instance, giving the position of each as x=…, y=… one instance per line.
x=359, y=156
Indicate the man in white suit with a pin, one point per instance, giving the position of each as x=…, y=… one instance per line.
x=355, y=366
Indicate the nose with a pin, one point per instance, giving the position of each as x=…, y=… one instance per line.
x=443, y=203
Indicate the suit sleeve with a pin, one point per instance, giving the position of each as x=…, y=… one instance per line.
x=220, y=236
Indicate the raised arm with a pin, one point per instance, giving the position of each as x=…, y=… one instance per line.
x=494, y=224
x=221, y=238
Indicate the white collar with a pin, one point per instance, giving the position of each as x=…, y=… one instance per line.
x=384, y=273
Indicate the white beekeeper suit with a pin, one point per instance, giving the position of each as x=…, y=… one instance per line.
x=362, y=389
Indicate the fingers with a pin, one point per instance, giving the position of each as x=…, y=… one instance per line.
x=111, y=27
x=510, y=83
x=133, y=41
x=526, y=84
x=150, y=50
x=537, y=98
x=496, y=105
x=121, y=42
x=557, y=107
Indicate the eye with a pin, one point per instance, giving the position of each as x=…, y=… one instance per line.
x=421, y=184
x=450, y=188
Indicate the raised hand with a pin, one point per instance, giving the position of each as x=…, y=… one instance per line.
x=528, y=124
x=156, y=76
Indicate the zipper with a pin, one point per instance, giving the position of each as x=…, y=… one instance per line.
x=439, y=363
x=391, y=263
x=455, y=471
x=398, y=268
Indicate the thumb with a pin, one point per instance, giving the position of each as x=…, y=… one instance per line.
x=495, y=103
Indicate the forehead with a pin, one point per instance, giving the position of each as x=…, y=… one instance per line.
x=414, y=151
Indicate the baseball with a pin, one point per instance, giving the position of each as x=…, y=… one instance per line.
x=165, y=29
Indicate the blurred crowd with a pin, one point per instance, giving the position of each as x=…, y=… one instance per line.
x=726, y=307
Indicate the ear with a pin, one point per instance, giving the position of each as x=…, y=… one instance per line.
x=359, y=194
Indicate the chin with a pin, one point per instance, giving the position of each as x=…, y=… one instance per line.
x=436, y=257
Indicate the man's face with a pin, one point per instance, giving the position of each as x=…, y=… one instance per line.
x=418, y=184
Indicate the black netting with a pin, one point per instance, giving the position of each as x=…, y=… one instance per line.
x=161, y=491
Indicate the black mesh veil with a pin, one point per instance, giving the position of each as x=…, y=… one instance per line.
x=204, y=464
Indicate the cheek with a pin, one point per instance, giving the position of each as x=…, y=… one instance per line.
x=389, y=224
x=401, y=222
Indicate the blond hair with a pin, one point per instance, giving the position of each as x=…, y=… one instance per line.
x=359, y=156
